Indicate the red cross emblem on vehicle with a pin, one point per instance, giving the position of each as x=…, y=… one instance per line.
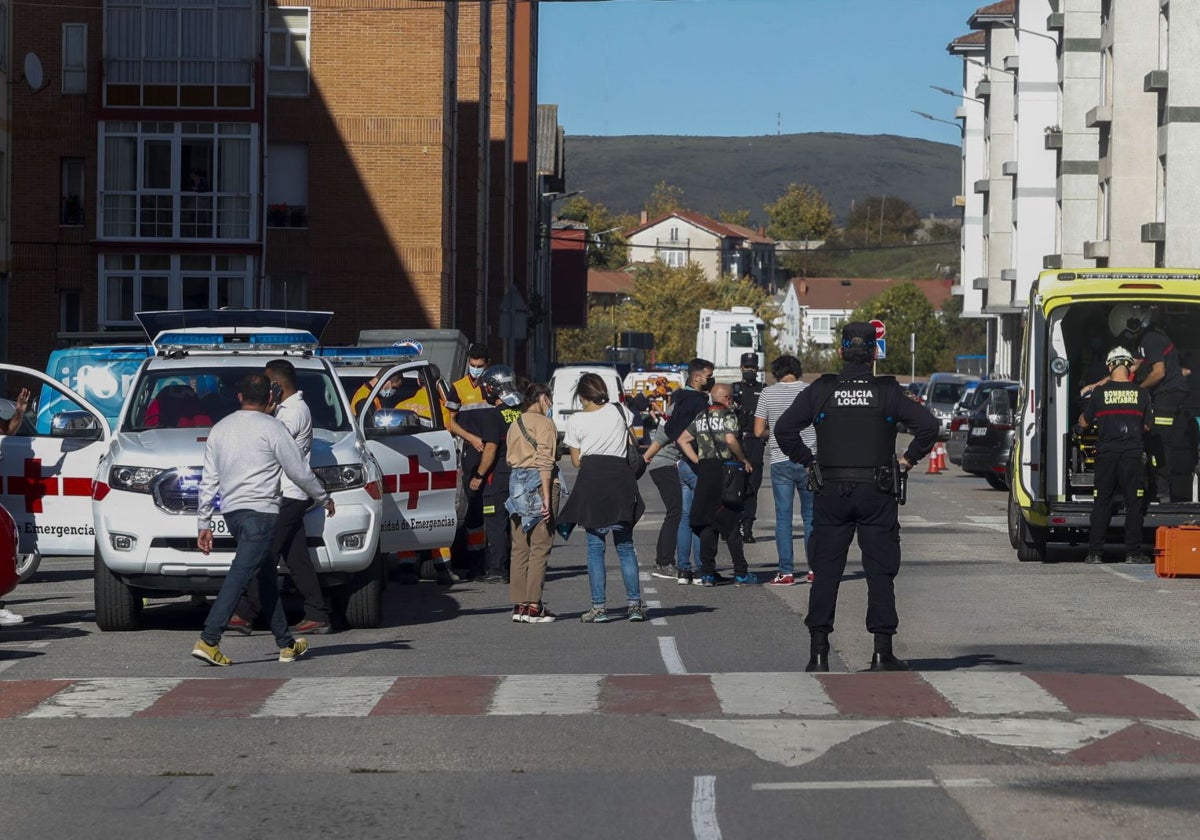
x=414, y=482
x=34, y=487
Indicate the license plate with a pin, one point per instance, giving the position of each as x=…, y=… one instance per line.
x=979, y=431
x=220, y=527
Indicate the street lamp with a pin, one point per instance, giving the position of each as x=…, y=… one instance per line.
x=938, y=119
x=1011, y=25
x=987, y=67
x=956, y=94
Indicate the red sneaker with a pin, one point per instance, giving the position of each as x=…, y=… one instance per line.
x=782, y=580
x=311, y=627
x=240, y=625
x=810, y=577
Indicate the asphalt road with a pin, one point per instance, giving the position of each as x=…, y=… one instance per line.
x=1051, y=701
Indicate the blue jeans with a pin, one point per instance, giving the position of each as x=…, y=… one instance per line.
x=787, y=479
x=598, y=575
x=254, y=533
x=686, y=537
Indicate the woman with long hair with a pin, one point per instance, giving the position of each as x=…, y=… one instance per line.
x=605, y=499
x=532, y=452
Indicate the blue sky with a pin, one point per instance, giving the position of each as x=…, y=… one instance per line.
x=728, y=67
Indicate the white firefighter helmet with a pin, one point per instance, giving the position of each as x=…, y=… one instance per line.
x=1119, y=356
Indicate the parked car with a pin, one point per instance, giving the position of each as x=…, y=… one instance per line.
x=990, y=436
x=942, y=392
x=562, y=391
x=973, y=397
x=8, y=553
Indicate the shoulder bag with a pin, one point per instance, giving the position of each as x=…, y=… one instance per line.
x=734, y=481
x=633, y=456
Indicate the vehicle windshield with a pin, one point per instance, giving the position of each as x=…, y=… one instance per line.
x=946, y=392
x=741, y=336
x=180, y=399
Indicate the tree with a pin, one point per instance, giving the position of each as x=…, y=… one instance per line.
x=607, y=247
x=800, y=213
x=964, y=336
x=734, y=217
x=665, y=199
x=905, y=310
x=667, y=302
x=880, y=220
x=589, y=343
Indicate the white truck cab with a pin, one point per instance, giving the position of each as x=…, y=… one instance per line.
x=394, y=484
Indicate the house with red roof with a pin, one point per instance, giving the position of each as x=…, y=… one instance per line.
x=813, y=307
x=721, y=249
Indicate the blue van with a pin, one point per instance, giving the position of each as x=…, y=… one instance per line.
x=100, y=374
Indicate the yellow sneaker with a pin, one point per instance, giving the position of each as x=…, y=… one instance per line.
x=210, y=654
x=294, y=651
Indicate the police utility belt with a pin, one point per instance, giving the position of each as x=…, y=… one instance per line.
x=887, y=479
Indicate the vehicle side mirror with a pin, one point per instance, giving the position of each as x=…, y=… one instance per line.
x=75, y=424
x=386, y=422
x=999, y=405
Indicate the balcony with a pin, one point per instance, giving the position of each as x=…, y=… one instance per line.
x=982, y=186
x=1054, y=139
x=1008, y=275
x=1154, y=232
x=1100, y=115
x=1052, y=261
x=176, y=216
x=1009, y=167
x=1012, y=62
x=179, y=83
x=1055, y=21
x=979, y=284
x=983, y=89
x=1096, y=249
x=1155, y=81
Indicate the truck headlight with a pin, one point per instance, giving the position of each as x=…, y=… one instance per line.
x=133, y=479
x=341, y=476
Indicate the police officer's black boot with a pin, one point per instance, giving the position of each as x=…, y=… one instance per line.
x=818, y=658
x=883, y=660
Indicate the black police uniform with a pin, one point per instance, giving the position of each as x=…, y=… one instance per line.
x=1172, y=442
x=855, y=414
x=1120, y=411
x=745, y=399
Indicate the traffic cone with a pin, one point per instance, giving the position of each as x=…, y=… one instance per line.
x=941, y=456
x=933, y=468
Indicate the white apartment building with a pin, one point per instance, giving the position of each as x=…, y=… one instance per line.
x=972, y=268
x=1176, y=83
x=720, y=249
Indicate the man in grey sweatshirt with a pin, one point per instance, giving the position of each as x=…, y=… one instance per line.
x=246, y=454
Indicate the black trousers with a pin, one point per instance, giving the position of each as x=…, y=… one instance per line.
x=755, y=449
x=463, y=557
x=290, y=543
x=666, y=479
x=1125, y=471
x=839, y=510
x=1173, y=445
x=495, y=525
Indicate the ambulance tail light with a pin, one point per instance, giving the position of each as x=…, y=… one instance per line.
x=342, y=477
x=133, y=479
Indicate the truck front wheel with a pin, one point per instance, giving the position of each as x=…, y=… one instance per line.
x=117, y=606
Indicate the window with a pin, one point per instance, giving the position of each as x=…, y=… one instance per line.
x=71, y=196
x=132, y=283
x=287, y=51
x=70, y=310
x=287, y=291
x=194, y=54
x=674, y=234
x=4, y=38
x=74, y=58
x=1103, y=211
x=177, y=180
x=287, y=185
x=675, y=259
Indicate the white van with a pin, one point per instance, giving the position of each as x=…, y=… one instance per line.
x=562, y=389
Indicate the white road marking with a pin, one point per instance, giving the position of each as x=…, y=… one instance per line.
x=660, y=621
x=1053, y=735
x=326, y=697
x=704, y=808
x=1112, y=571
x=996, y=693
x=874, y=784
x=649, y=590
x=760, y=695
x=791, y=743
x=645, y=576
x=547, y=694
x=670, y=655
x=106, y=698
x=1190, y=728
x=4, y=666
x=1183, y=690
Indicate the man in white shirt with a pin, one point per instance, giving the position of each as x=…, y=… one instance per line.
x=244, y=459
x=787, y=477
x=291, y=542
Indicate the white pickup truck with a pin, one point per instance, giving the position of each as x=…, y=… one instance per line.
x=127, y=493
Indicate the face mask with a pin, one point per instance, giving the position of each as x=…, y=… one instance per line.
x=750, y=376
x=708, y=383
x=475, y=372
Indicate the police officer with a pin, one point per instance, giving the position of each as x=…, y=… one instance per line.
x=745, y=400
x=857, y=479
x=1121, y=412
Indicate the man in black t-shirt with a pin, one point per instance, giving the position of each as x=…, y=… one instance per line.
x=1120, y=411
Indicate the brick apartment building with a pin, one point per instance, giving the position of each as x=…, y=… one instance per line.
x=196, y=154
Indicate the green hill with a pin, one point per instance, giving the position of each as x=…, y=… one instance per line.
x=734, y=173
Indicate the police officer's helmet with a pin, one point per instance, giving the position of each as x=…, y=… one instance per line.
x=1119, y=356
x=1130, y=318
x=499, y=382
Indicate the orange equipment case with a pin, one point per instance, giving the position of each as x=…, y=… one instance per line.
x=1177, y=551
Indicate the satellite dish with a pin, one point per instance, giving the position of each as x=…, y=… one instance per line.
x=33, y=72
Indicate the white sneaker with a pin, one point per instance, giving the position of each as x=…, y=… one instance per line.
x=8, y=618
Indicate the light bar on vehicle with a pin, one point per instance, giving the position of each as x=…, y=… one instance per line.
x=365, y=354
x=199, y=340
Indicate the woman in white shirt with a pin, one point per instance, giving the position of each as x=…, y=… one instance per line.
x=605, y=499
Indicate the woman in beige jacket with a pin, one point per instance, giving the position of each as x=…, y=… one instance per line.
x=532, y=446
